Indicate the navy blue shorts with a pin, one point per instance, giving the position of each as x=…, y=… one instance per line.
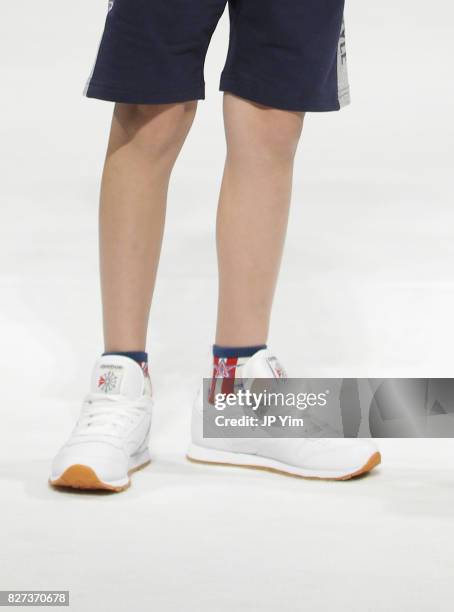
x=287, y=54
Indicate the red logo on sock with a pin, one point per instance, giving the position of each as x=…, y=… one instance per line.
x=223, y=368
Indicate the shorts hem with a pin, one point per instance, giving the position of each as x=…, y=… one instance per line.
x=100, y=91
x=251, y=89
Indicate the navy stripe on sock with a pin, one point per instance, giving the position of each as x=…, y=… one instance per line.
x=138, y=356
x=239, y=351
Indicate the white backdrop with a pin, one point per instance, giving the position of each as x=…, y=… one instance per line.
x=366, y=290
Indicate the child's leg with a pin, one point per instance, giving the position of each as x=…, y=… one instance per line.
x=144, y=144
x=252, y=216
x=110, y=440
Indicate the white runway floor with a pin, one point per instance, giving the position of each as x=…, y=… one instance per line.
x=366, y=290
x=201, y=538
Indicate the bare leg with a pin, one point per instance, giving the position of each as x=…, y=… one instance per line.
x=252, y=216
x=144, y=144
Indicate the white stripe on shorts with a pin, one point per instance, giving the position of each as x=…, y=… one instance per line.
x=343, y=88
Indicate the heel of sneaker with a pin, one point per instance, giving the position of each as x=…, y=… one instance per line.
x=139, y=460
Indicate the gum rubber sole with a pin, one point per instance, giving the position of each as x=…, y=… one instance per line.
x=80, y=476
x=373, y=461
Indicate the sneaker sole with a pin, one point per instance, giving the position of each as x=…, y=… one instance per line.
x=79, y=476
x=205, y=456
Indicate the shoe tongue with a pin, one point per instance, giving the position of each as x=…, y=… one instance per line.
x=117, y=375
x=263, y=365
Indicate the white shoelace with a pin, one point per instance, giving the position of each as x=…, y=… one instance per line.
x=108, y=414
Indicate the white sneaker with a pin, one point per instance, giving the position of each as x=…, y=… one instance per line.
x=323, y=458
x=110, y=440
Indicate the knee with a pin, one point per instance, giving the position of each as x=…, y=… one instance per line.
x=279, y=134
x=156, y=129
x=270, y=136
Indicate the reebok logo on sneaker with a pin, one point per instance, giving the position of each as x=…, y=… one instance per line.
x=110, y=377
